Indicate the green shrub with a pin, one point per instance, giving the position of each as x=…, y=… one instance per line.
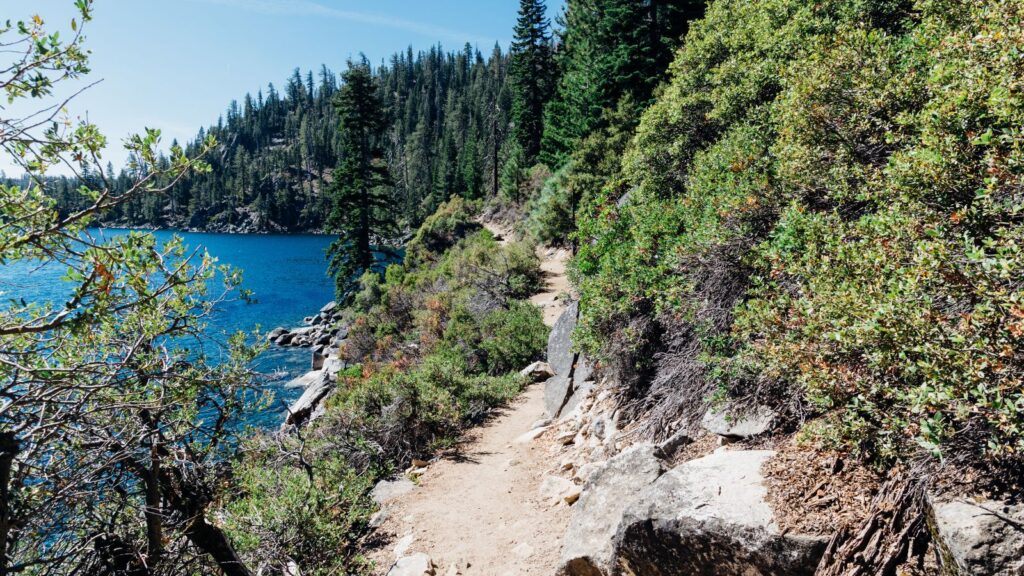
x=452, y=221
x=549, y=217
x=369, y=292
x=513, y=338
x=901, y=323
x=504, y=273
x=825, y=199
x=314, y=517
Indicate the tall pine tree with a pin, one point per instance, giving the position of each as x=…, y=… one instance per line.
x=360, y=191
x=610, y=51
x=531, y=73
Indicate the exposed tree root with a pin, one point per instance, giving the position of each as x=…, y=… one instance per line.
x=894, y=534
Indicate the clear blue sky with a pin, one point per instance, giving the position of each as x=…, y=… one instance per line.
x=176, y=64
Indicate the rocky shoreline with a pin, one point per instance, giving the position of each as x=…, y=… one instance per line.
x=324, y=334
x=224, y=229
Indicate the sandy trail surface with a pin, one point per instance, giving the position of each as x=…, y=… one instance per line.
x=481, y=512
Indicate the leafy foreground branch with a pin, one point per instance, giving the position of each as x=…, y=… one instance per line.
x=112, y=423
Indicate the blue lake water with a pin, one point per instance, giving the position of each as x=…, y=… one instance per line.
x=286, y=273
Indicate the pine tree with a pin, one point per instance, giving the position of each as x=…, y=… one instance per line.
x=610, y=50
x=531, y=73
x=361, y=203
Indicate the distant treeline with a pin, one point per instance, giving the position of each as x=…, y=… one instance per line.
x=449, y=116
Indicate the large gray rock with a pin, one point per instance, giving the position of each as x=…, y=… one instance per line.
x=318, y=357
x=579, y=392
x=984, y=538
x=387, y=490
x=304, y=331
x=709, y=517
x=305, y=380
x=556, y=391
x=333, y=365
x=587, y=547
x=584, y=371
x=560, y=354
x=303, y=410
x=329, y=308
x=738, y=423
x=574, y=369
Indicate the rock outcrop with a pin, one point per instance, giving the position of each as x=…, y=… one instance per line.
x=710, y=516
x=320, y=330
x=587, y=548
x=556, y=391
x=325, y=335
x=572, y=371
x=981, y=537
x=560, y=354
x=307, y=407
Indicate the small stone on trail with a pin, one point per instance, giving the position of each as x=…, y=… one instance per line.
x=523, y=551
x=415, y=565
x=537, y=372
x=387, y=490
x=530, y=436
x=554, y=489
x=572, y=496
x=378, y=519
x=403, y=545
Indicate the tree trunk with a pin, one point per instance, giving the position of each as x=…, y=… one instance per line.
x=185, y=494
x=9, y=448
x=494, y=157
x=214, y=542
x=154, y=512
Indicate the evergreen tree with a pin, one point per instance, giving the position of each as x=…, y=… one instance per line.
x=610, y=50
x=361, y=203
x=531, y=75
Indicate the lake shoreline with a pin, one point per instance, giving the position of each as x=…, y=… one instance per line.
x=228, y=232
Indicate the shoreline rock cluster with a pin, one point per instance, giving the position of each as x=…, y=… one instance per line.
x=325, y=334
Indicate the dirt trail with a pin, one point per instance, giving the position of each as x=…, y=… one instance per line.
x=556, y=283
x=482, y=514
x=552, y=265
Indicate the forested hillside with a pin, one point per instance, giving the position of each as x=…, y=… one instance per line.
x=448, y=115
